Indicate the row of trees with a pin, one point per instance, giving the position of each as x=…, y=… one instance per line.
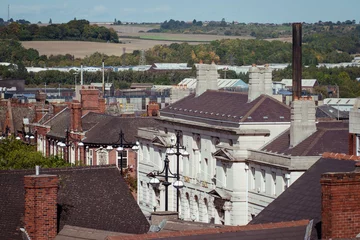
x=257, y=30
x=73, y=30
x=15, y=154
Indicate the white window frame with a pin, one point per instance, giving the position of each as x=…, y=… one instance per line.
x=125, y=159
x=102, y=151
x=90, y=157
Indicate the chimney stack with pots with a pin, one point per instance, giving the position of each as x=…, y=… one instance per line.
x=41, y=206
x=260, y=82
x=207, y=77
x=340, y=208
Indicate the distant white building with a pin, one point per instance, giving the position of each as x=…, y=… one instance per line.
x=342, y=104
x=306, y=84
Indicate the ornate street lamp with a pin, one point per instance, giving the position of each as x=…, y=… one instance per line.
x=165, y=173
x=176, y=149
x=120, y=149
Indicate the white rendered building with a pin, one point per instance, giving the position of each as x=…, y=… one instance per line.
x=228, y=178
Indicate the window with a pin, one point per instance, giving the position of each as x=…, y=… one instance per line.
x=273, y=174
x=124, y=154
x=263, y=180
x=253, y=178
x=143, y=103
x=197, y=142
x=224, y=176
x=90, y=157
x=102, y=157
x=127, y=100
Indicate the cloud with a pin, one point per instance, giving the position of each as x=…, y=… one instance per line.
x=129, y=10
x=99, y=9
x=158, y=9
x=25, y=9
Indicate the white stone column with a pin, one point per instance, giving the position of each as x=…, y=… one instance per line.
x=227, y=207
x=239, y=198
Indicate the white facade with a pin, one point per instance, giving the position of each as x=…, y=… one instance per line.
x=227, y=179
x=217, y=177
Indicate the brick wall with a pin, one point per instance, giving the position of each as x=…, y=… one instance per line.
x=340, y=205
x=153, y=109
x=352, y=144
x=40, y=206
x=76, y=114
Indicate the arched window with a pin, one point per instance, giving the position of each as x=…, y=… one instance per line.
x=206, y=211
x=196, y=210
x=187, y=207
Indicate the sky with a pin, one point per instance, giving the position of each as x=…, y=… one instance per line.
x=261, y=11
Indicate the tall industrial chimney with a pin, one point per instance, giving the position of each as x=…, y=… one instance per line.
x=103, y=78
x=297, y=60
x=81, y=76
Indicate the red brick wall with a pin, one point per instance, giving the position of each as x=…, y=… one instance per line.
x=76, y=117
x=352, y=144
x=58, y=108
x=153, y=109
x=89, y=100
x=340, y=205
x=40, y=206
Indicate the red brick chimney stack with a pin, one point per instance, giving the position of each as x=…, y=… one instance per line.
x=340, y=208
x=153, y=109
x=40, y=206
x=76, y=113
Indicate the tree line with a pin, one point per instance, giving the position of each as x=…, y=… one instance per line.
x=73, y=30
x=14, y=154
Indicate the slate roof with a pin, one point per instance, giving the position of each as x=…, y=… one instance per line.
x=18, y=113
x=107, y=131
x=302, y=200
x=59, y=123
x=229, y=107
x=329, y=112
x=329, y=137
x=89, y=197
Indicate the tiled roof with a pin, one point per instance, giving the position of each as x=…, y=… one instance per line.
x=89, y=197
x=229, y=107
x=280, y=231
x=108, y=131
x=91, y=119
x=59, y=123
x=18, y=113
x=330, y=136
x=302, y=200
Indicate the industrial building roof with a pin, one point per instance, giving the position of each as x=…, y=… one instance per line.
x=304, y=82
x=222, y=83
x=340, y=101
x=170, y=66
